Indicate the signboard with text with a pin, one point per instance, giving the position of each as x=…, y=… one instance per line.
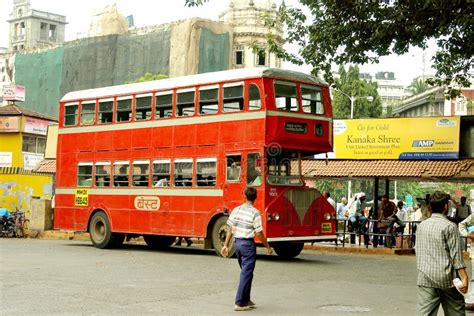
x=9, y=124
x=397, y=138
x=12, y=92
x=35, y=126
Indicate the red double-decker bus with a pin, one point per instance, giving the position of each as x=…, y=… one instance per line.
x=172, y=157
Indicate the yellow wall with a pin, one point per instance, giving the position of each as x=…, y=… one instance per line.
x=17, y=190
x=11, y=142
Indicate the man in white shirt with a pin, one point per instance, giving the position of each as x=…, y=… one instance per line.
x=244, y=223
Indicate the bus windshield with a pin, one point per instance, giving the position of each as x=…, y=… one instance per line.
x=283, y=168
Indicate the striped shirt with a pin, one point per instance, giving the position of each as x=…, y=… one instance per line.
x=438, y=252
x=245, y=221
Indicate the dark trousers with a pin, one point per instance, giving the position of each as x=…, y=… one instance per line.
x=247, y=256
x=429, y=300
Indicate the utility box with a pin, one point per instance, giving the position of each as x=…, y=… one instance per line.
x=41, y=215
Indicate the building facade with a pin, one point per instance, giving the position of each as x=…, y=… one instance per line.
x=30, y=29
x=22, y=147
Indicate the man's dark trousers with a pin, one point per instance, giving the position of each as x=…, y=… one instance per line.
x=246, y=255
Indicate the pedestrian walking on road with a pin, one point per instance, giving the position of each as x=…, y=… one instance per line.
x=244, y=223
x=439, y=261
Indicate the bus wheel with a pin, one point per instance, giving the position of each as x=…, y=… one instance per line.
x=219, y=233
x=159, y=242
x=99, y=229
x=286, y=250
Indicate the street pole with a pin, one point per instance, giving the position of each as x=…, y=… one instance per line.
x=349, y=184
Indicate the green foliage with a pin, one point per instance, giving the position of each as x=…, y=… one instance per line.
x=350, y=84
x=360, y=32
x=148, y=77
x=418, y=86
x=194, y=3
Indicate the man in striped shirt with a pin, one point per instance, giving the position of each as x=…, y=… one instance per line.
x=439, y=261
x=244, y=223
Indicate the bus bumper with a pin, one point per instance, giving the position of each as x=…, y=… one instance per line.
x=303, y=238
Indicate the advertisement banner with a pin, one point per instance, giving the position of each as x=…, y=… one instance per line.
x=397, y=138
x=6, y=158
x=36, y=126
x=12, y=92
x=30, y=161
x=10, y=124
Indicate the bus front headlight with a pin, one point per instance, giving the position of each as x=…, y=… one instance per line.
x=327, y=216
x=276, y=216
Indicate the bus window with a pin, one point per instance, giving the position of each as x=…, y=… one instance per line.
x=254, y=170
x=70, y=114
x=121, y=172
x=255, y=103
x=234, y=168
x=286, y=98
x=161, y=173
x=143, y=108
x=233, y=97
x=124, y=110
x=183, y=173
x=106, y=111
x=84, y=174
x=164, y=105
x=88, y=113
x=206, y=169
x=102, y=174
x=283, y=168
x=140, y=173
x=208, y=99
x=185, y=103
x=311, y=97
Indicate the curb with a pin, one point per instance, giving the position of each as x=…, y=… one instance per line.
x=83, y=236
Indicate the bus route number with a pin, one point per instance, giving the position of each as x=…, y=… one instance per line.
x=82, y=197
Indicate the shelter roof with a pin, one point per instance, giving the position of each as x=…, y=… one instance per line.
x=47, y=166
x=15, y=110
x=429, y=170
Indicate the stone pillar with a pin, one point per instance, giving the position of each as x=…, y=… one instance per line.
x=40, y=215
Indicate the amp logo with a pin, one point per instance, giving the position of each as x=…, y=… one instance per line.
x=423, y=143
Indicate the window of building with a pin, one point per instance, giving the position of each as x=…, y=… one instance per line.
x=141, y=173
x=84, y=174
x=102, y=174
x=254, y=170
x=161, y=173
x=233, y=97
x=239, y=55
x=206, y=172
x=261, y=57
x=22, y=28
x=88, y=113
x=234, y=168
x=183, y=173
x=164, y=104
x=70, y=114
x=43, y=31
x=185, y=102
x=121, y=173
x=33, y=144
x=208, y=99
x=286, y=97
x=255, y=102
x=143, y=107
x=106, y=111
x=124, y=110
x=311, y=97
x=52, y=31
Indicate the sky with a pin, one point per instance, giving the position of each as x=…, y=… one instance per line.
x=152, y=12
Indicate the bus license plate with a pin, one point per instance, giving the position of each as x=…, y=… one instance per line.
x=326, y=228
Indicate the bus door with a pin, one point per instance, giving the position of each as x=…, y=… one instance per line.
x=234, y=184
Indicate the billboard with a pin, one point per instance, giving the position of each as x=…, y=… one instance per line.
x=397, y=138
x=12, y=92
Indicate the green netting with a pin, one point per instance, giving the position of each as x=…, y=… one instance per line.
x=137, y=55
x=213, y=51
x=41, y=73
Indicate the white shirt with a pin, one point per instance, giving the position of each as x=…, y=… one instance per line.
x=331, y=201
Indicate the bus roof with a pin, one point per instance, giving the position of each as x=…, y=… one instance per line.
x=205, y=78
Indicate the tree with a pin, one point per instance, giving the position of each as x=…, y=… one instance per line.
x=350, y=84
x=418, y=86
x=148, y=77
x=359, y=32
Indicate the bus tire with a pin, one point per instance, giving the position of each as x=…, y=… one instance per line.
x=99, y=230
x=159, y=242
x=286, y=250
x=219, y=233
